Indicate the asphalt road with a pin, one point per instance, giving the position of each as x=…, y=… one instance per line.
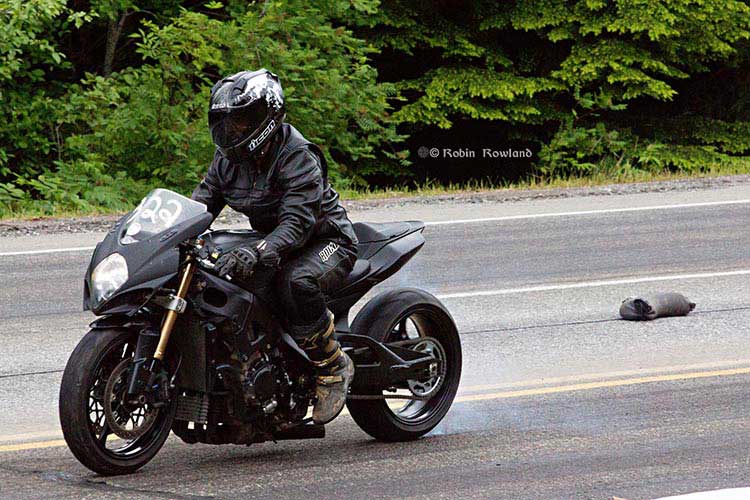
x=559, y=398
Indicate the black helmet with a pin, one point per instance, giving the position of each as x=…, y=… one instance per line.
x=245, y=111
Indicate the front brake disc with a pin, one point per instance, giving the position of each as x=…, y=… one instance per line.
x=126, y=421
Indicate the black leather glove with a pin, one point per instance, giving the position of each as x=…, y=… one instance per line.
x=267, y=257
x=239, y=263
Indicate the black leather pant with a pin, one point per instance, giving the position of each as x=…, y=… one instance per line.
x=303, y=280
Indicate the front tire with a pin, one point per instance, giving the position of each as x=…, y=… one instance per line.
x=97, y=359
x=408, y=314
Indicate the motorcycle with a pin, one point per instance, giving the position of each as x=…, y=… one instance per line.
x=179, y=348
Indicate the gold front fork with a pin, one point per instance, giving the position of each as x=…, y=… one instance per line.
x=169, y=320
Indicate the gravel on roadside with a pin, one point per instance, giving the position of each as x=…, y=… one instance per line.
x=45, y=225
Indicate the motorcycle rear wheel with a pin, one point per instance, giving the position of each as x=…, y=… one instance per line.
x=97, y=359
x=409, y=314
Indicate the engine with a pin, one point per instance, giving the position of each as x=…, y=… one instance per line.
x=263, y=384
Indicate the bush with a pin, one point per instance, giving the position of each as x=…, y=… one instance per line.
x=599, y=85
x=106, y=140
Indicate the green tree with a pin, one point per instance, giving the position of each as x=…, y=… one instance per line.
x=587, y=70
x=104, y=140
x=103, y=99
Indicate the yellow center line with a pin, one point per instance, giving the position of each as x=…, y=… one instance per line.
x=537, y=391
x=603, y=384
x=581, y=377
x=32, y=446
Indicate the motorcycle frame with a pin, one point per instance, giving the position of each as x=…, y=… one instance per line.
x=378, y=366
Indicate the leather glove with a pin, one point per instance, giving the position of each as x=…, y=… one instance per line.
x=267, y=257
x=239, y=263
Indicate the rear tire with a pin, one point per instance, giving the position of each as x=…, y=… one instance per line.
x=94, y=359
x=382, y=319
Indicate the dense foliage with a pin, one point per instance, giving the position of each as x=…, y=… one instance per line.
x=98, y=134
x=101, y=100
x=598, y=85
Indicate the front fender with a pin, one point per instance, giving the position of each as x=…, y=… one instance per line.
x=114, y=321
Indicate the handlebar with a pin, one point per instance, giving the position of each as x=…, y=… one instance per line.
x=203, y=258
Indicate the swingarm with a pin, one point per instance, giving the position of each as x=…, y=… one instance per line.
x=390, y=366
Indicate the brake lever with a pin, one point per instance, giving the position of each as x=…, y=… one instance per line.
x=207, y=264
x=208, y=260
x=211, y=266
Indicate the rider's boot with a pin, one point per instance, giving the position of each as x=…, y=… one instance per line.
x=335, y=371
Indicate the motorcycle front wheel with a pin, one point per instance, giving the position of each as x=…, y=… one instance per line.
x=105, y=434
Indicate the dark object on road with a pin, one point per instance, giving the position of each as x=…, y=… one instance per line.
x=654, y=306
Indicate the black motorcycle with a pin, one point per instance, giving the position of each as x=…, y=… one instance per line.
x=179, y=348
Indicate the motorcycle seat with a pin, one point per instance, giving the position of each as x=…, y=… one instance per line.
x=369, y=232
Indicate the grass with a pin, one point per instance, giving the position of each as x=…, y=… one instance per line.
x=27, y=213
x=432, y=188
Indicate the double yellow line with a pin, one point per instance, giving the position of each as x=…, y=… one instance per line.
x=535, y=391
x=538, y=391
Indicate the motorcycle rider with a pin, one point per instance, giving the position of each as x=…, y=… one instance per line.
x=265, y=169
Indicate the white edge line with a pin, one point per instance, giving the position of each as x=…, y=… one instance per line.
x=470, y=221
x=723, y=494
x=50, y=250
x=591, y=284
x=588, y=212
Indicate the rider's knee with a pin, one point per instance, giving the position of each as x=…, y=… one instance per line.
x=295, y=282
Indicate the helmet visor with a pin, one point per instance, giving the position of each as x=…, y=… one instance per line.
x=231, y=126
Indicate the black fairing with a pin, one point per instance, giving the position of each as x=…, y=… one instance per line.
x=221, y=305
x=152, y=263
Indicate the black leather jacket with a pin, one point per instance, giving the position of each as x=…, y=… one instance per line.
x=287, y=196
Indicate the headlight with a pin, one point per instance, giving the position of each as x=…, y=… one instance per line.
x=108, y=276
